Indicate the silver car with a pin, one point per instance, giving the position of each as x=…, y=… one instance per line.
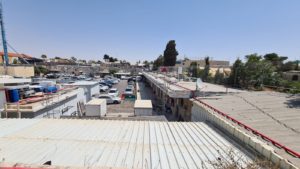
x=110, y=99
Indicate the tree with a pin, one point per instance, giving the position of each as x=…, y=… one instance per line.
x=219, y=77
x=170, y=54
x=84, y=61
x=146, y=63
x=206, y=69
x=111, y=59
x=290, y=65
x=44, y=56
x=112, y=71
x=277, y=61
x=15, y=61
x=257, y=71
x=73, y=59
x=193, y=69
x=106, y=57
x=185, y=58
x=40, y=69
x=158, y=62
x=237, y=74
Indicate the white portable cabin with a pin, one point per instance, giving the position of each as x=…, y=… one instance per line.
x=143, y=108
x=96, y=108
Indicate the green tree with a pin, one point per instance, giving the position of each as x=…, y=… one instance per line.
x=106, y=57
x=170, y=54
x=73, y=58
x=111, y=59
x=257, y=71
x=277, y=61
x=112, y=71
x=146, y=63
x=193, y=69
x=205, y=76
x=237, y=74
x=158, y=62
x=40, y=69
x=44, y=56
x=15, y=61
x=290, y=65
x=219, y=77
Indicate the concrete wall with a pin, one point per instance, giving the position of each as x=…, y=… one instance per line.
x=2, y=98
x=143, y=111
x=22, y=71
x=65, y=108
x=202, y=113
x=95, y=90
x=292, y=76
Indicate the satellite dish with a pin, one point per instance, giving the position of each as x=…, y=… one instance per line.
x=199, y=84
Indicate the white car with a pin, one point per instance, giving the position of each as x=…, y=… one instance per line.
x=113, y=92
x=128, y=91
x=103, y=88
x=110, y=99
x=124, y=77
x=130, y=86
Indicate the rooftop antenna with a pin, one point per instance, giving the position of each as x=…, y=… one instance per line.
x=6, y=62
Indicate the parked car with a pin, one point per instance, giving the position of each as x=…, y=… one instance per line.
x=138, y=78
x=131, y=83
x=114, y=81
x=113, y=92
x=130, y=86
x=129, y=91
x=125, y=77
x=106, y=84
x=103, y=88
x=110, y=99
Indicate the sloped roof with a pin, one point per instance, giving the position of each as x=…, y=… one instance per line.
x=17, y=55
x=109, y=143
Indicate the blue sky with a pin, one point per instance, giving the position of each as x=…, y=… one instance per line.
x=139, y=29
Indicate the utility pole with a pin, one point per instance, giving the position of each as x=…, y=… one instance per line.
x=5, y=61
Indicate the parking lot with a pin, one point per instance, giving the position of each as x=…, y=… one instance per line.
x=124, y=109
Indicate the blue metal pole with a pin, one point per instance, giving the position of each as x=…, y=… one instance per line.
x=6, y=62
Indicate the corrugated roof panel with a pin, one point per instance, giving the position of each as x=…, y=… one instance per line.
x=129, y=144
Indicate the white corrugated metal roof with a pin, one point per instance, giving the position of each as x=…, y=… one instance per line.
x=127, y=144
x=143, y=104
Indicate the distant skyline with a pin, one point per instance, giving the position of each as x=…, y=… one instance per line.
x=139, y=29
